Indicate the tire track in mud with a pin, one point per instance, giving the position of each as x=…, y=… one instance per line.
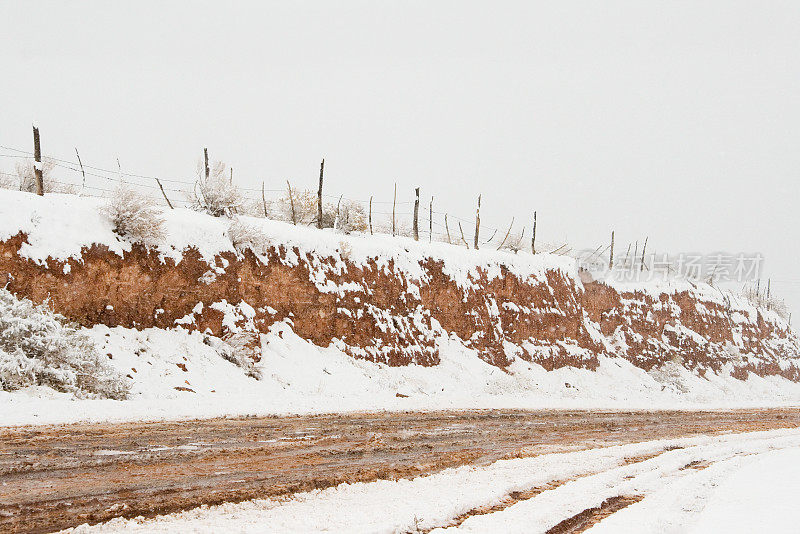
x=584, y=520
x=53, y=477
x=523, y=495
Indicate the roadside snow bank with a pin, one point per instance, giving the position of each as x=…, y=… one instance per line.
x=175, y=374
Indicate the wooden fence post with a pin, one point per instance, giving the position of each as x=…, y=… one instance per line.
x=370, y=215
x=164, y=193
x=394, y=209
x=533, y=237
x=416, y=214
x=611, y=256
x=462, y=234
x=291, y=203
x=644, y=248
x=208, y=169
x=477, y=222
x=37, y=162
x=83, y=185
x=503, y=242
x=319, y=194
x=447, y=229
x=430, y=222
x=263, y=200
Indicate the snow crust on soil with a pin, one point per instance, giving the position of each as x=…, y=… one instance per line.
x=79, y=224
x=588, y=478
x=300, y=377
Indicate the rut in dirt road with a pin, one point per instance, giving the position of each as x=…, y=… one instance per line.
x=53, y=477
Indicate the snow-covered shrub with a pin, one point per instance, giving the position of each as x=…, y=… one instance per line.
x=242, y=349
x=216, y=195
x=133, y=216
x=39, y=348
x=761, y=300
x=247, y=236
x=25, y=179
x=351, y=217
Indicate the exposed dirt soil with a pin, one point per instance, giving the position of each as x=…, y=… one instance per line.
x=376, y=316
x=582, y=521
x=52, y=477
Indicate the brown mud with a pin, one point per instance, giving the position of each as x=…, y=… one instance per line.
x=53, y=477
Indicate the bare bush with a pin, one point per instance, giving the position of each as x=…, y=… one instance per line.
x=248, y=236
x=40, y=348
x=25, y=179
x=216, y=195
x=761, y=300
x=515, y=242
x=134, y=217
x=351, y=217
x=242, y=349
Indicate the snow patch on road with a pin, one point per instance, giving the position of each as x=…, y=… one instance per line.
x=434, y=501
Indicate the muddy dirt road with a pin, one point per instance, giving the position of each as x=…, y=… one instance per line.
x=52, y=477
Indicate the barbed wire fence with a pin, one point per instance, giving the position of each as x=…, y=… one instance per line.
x=392, y=217
x=85, y=179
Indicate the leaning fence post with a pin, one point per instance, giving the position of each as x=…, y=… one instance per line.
x=503, y=242
x=83, y=185
x=533, y=237
x=37, y=163
x=165, y=194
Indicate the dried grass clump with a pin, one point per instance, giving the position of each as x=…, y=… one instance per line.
x=134, y=217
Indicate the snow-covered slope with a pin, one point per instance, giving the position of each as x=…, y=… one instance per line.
x=357, y=322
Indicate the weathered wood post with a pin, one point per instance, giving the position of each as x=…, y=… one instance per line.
x=319, y=194
x=533, y=237
x=644, y=248
x=611, y=255
x=394, y=210
x=430, y=222
x=83, y=185
x=370, y=215
x=503, y=242
x=416, y=214
x=37, y=162
x=164, y=193
x=477, y=222
x=291, y=203
x=263, y=200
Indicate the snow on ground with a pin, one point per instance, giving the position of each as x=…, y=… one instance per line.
x=175, y=375
x=770, y=483
x=675, y=493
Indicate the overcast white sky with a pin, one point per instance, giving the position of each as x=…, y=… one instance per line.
x=674, y=120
